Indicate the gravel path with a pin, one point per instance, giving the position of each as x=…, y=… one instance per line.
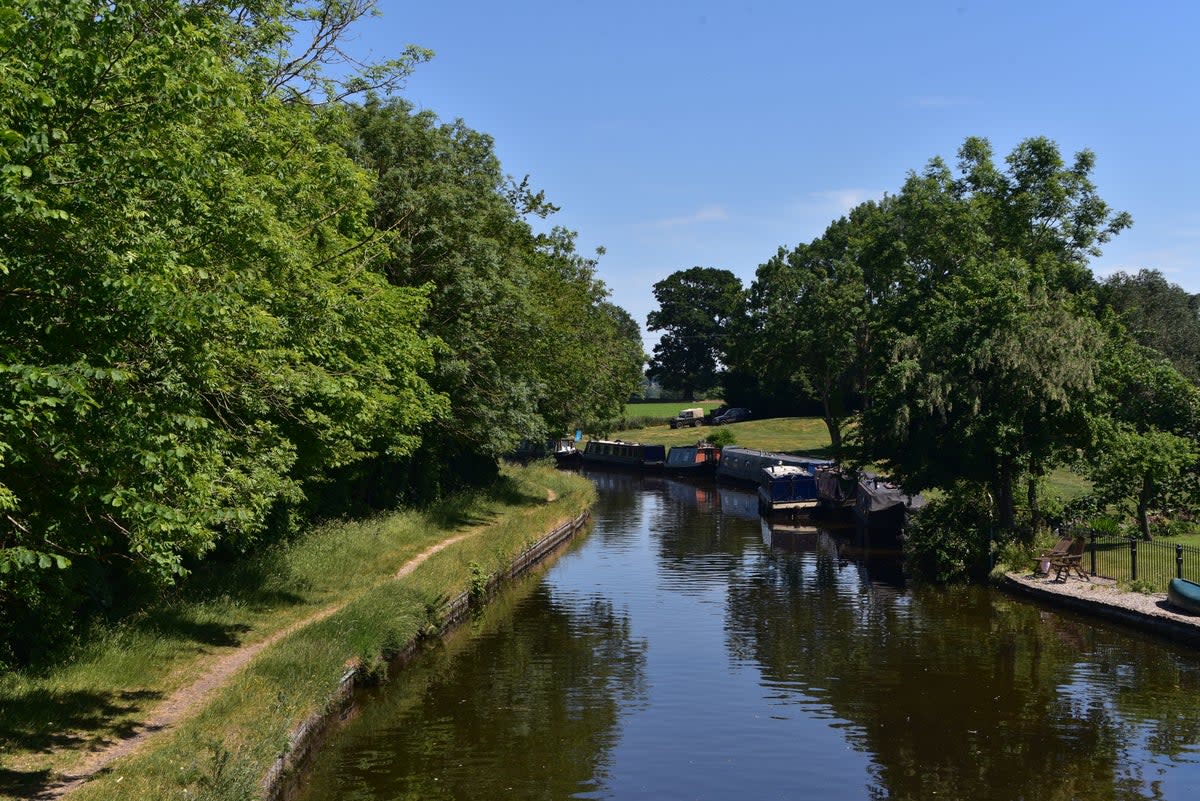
x=1102, y=597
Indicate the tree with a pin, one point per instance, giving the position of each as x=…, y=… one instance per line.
x=808, y=320
x=1146, y=425
x=530, y=345
x=189, y=336
x=589, y=351
x=1158, y=314
x=695, y=310
x=985, y=355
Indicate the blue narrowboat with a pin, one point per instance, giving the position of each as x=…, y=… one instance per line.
x=787, y=488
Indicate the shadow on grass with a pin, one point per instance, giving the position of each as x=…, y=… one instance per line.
x=825, y=452
x=41, y=721
x=255, y=582
x=461, y=510
x=24, y=784
x=175, y=624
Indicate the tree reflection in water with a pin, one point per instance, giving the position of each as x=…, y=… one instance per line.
x=688, y=650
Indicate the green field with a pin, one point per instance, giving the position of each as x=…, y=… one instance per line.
x=666, y=409
x=787, y=434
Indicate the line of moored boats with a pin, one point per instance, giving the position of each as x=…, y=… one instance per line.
x=787, y=483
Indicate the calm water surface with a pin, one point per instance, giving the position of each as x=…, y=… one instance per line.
x=686, y=650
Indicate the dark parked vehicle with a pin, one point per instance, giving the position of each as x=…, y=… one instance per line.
x=734, y=415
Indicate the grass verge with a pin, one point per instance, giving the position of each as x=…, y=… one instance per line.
x=49, y=720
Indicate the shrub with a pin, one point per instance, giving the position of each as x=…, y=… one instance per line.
x=949, y=541
x=722, y=437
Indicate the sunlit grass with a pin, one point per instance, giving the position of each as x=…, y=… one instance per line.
x=786, y=434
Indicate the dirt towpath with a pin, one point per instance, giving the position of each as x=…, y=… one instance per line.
x=184, y=701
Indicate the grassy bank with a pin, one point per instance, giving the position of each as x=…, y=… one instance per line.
x=49, y=720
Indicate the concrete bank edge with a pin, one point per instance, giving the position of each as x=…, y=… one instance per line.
x=281, y=779
x=1183, y=629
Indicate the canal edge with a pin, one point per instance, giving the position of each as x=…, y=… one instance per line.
x=1147, y=614
x=281, y=781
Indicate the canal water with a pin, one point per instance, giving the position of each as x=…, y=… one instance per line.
x=685, y=649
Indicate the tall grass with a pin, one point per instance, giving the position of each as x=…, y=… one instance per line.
x=48, y=719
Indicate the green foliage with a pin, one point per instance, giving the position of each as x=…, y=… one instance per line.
x=1157, y=314
x=696, y=308
x=1145, y=428
x=214, y=319
x=529, y=346
x=721, y=437
x=985, y=356
x=950, y=540
x=190, y=336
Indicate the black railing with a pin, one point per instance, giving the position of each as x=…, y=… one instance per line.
x=1145, y=561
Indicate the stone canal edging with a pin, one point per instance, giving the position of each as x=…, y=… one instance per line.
x=1148, y=613
x=282, y=779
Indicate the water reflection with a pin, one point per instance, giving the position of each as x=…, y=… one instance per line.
x=689, y=649
x=524, y=706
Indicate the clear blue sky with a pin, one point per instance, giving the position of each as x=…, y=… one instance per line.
x=678, y=134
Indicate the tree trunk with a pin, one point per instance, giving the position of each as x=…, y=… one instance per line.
x=1143, y=507
x=834, y=426
x=1005, y=503
x=1035, y=512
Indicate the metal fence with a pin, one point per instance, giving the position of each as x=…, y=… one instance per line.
x=1146, y=561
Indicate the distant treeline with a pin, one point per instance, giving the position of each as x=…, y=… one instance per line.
x=232, y=300
x=954, y=333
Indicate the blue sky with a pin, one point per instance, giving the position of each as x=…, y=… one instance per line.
x=682, y=134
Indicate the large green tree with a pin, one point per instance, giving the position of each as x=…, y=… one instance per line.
x=695, y=308
x=189, y=335
x=985, y=356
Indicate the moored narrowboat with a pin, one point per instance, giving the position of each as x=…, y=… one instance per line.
x=837, y=489
x=744, y=465
x=566, y=454
x=787, y=488
x=879, y=502
x=616, y=453
x=700, y=459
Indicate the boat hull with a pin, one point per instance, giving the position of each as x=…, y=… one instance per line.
x=1184, y=595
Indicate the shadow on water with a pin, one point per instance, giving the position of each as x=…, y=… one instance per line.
x=523, y=705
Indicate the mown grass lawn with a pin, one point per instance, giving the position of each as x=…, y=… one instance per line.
x=806, y=435
x=666, y=408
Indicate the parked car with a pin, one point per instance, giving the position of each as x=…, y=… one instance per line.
x=688, y=418
x=733, y=415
